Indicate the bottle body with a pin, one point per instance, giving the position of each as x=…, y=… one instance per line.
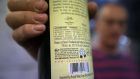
x=67, y=54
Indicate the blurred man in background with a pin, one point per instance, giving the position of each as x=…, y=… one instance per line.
x=109, y=62
x=133, y=30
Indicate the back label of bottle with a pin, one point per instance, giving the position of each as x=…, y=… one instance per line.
x=71, y=56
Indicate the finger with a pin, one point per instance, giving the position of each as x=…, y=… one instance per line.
x=28, y=5
x=92, y=7
x=28, y=31
x=16, y=19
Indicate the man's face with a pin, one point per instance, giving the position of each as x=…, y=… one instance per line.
x=111, y=24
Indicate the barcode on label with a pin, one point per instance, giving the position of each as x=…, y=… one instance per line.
x=78, y=67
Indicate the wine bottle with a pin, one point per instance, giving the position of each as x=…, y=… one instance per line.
x=66, y=52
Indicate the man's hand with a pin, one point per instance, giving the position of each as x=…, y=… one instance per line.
x=27, y=19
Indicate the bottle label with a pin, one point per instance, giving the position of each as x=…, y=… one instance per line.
x=71, y=56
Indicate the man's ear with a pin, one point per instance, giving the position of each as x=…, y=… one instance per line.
x=97, y=25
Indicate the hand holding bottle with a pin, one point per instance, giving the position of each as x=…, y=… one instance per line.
x=27, y=19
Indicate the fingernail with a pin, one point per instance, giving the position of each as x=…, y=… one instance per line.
x=39, y=6
x=39, y=28
x=40, y=18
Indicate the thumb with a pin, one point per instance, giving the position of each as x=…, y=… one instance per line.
x=92, y=7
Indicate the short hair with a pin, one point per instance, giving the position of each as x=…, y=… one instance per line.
x=100, y=9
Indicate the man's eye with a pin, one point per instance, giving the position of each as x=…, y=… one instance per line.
x=122, y=22
x=109, y=22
